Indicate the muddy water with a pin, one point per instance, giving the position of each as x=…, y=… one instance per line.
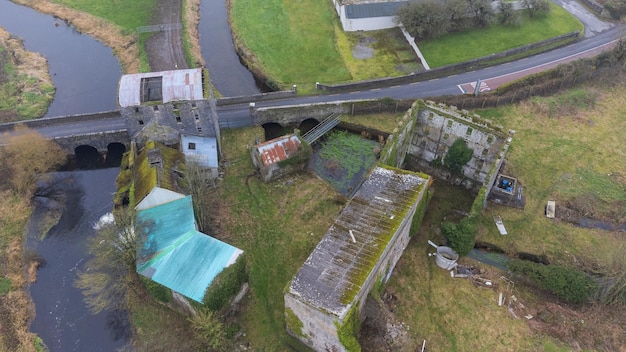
x=84, y=71
x=228, y=75
x=62, y=320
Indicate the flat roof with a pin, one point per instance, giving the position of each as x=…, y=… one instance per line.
x=178, y=85
x=339, y=266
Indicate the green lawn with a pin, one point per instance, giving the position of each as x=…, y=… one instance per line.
x=128, y=14
x=459, y=47
x=293, y=41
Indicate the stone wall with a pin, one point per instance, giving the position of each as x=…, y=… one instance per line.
x=99, y=140
x=52, y=121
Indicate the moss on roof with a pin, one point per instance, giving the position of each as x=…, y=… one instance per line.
x=338, y=268
x=154, y=166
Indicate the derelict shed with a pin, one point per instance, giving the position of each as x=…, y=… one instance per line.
x=359, y=250
x=162, y=87
x=267, y=156
x=175, y=254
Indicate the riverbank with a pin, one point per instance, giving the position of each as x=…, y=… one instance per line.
x=125, y=46
x=26, y=88
x=16, y=307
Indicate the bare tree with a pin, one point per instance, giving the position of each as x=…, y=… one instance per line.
x=202, y=187
x=111, y=271
x=26, y=156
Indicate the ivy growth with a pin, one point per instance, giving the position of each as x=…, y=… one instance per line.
x=458, y=155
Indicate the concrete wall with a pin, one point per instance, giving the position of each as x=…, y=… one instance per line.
x=293, y=115
x=52, y=121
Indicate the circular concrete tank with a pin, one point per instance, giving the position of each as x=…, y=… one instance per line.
x=446, y=258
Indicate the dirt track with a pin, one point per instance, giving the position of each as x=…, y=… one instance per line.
x=164, y=47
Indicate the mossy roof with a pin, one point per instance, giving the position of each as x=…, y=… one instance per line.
x=154, y=166
x=338, y=267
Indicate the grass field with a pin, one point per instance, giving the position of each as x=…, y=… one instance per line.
x=128, y=14
x=459, y=47
x=303, y=43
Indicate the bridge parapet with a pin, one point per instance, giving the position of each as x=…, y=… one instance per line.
x=98, y=140
x=60, y=120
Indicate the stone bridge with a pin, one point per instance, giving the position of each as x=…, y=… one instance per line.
x=100, y=131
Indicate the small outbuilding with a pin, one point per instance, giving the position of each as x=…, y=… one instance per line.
x=280, y=156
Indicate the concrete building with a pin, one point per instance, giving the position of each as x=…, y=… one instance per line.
x=367, y=15
x=360, y=250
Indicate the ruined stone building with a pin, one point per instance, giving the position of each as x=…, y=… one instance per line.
x=360, y=250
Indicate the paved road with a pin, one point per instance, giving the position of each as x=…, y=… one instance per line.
x=235, y=116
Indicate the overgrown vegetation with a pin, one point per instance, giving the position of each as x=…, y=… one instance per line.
x=348, y=332
x=110, y=273
x=462, y=236
x=26, y=88
x=457, y=156
x=343, y=158
x=226, y=285
x=26, y=157
x=567, y=283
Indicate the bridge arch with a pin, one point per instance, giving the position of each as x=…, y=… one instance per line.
x=115, y=150
x=306, y=125
x=273, y=130
x=87, y=157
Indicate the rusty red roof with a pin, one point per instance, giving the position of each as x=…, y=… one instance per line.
x=278, y=149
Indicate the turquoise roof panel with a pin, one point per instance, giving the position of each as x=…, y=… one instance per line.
x=176, y=255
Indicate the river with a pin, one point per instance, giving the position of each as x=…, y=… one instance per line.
x=84, y=71
x=62, y=319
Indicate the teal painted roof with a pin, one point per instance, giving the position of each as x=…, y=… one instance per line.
x=178, y=256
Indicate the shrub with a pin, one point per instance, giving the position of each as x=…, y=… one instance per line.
x=462, y=236
x=156, y=290
x=566, y=283
x=458, y=155
x=226, y=285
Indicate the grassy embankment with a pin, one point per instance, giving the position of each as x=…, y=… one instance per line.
x=26, y=89
x=302, y=42
x=459, y=47
x=128, y=15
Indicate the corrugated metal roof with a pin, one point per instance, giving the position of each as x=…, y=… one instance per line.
x=369, y=10
x=176, y=255
x=337, y=268
x=278, y=149
x=178, y=85
x=204, y=152
x=159, y=173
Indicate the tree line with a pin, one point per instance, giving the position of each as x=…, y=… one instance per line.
x=432, y=19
